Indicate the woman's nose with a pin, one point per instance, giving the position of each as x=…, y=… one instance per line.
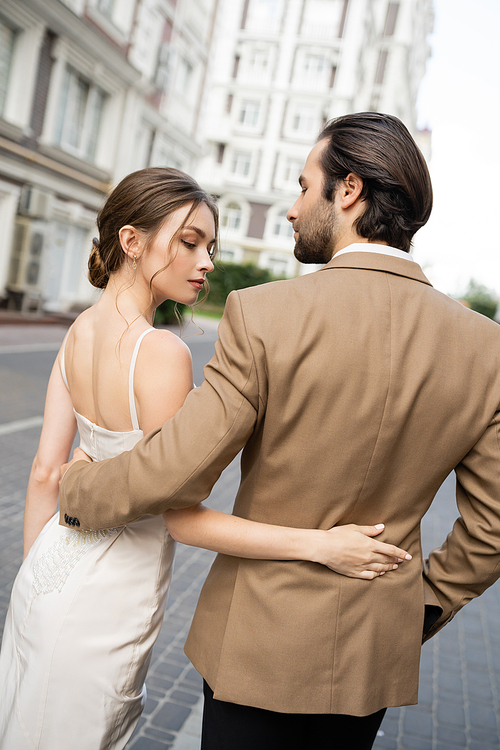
x=205, y=263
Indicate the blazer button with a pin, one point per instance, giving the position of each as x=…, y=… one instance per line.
x=65, y=518
x=77, y=522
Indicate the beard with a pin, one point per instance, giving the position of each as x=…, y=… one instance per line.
x=317, y=234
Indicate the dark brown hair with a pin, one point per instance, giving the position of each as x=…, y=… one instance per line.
x=143, y=199
x=397, y=186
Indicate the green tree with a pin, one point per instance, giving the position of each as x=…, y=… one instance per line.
x=229, y=276
x=169, y=312
x=223, y=279
x=481, y=299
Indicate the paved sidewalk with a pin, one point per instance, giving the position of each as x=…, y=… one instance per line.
x=460, y=674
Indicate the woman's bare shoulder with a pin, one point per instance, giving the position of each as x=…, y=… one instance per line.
x=83, y=325
x=164, y=358
x=163, y=377
x=162, y=342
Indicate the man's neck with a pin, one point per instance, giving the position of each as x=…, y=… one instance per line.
x=352, y=238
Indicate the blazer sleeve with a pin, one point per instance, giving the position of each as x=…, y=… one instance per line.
x=175, y=466
x=469, y=560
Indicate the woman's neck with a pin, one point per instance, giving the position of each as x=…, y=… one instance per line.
x=128, y=298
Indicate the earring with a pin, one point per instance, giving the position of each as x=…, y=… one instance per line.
x=134, y=264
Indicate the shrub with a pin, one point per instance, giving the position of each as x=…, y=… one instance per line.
x=481, y=299
x=165, y=313
x=223, y=280
x=229, y=276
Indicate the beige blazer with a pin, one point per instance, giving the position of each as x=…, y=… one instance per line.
x=354, y=392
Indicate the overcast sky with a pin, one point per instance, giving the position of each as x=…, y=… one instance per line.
x=460, y=102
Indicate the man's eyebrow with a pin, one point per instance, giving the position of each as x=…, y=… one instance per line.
x=199, y=232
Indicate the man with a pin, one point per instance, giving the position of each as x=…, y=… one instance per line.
x=354, y=391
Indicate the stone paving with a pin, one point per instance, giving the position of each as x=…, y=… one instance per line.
x=460, y=669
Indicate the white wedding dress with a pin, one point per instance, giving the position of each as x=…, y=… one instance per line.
x=85, y=611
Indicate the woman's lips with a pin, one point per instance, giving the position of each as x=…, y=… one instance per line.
x=198, y=285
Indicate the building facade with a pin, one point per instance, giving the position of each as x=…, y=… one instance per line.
x=281, y=70
x=232, y=91
x=90, y=90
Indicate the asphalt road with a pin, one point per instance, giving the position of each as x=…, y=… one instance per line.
x=460, y=668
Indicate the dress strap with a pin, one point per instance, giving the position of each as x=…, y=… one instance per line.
x=131, y=397
x=63, y=365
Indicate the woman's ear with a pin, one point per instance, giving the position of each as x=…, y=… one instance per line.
x=130, y=241
x=350, y=190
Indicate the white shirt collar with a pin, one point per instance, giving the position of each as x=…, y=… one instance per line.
x=372, y=247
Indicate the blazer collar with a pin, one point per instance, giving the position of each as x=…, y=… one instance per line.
x=378, y=262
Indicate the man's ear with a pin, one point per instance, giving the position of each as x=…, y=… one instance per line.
x=350, y=190
x=130, y=241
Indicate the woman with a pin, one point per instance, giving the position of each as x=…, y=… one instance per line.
x=87, y=607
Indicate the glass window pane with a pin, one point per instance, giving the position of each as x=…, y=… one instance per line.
x=106, y=7
x=75, y=250
x=63, y=100
x=6, y=49
x=79, y=116
x=95, y=120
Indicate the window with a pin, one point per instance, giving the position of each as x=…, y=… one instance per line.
x=63, y=263
x=143, y=145
x=249, y=113
x=236, y=65
x=312, y=70
x=231, y=216
x=322, y=18
x=230, y=254
x=258, y=62
x=241, y=162
x=221, y=147
x=305, y=119
x=390, y=21
x=277, y=264
x=381, y=66
x=163, y=66
x=314, y=64
x=292, y=170
x=79, y=117
x=264, y=14
x=164, y=154
x=282, y=227
x=7, y=36
x=106, y=7
x=184, y=76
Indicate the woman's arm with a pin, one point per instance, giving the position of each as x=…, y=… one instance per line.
x=349, y=550
x=58, y=433
x=163, y=380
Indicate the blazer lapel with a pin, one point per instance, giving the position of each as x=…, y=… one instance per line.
x=378, y=262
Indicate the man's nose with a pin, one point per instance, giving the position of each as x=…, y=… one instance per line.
x=293, y=211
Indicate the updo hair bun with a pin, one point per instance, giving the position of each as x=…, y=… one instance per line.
x=98, y=274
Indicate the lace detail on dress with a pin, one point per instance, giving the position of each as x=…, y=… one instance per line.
x=51, y=571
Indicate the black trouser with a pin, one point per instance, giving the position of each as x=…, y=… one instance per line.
x=227, y=726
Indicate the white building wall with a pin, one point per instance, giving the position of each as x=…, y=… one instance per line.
x=166, y=70
x=110, y=108
x=266, y=117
